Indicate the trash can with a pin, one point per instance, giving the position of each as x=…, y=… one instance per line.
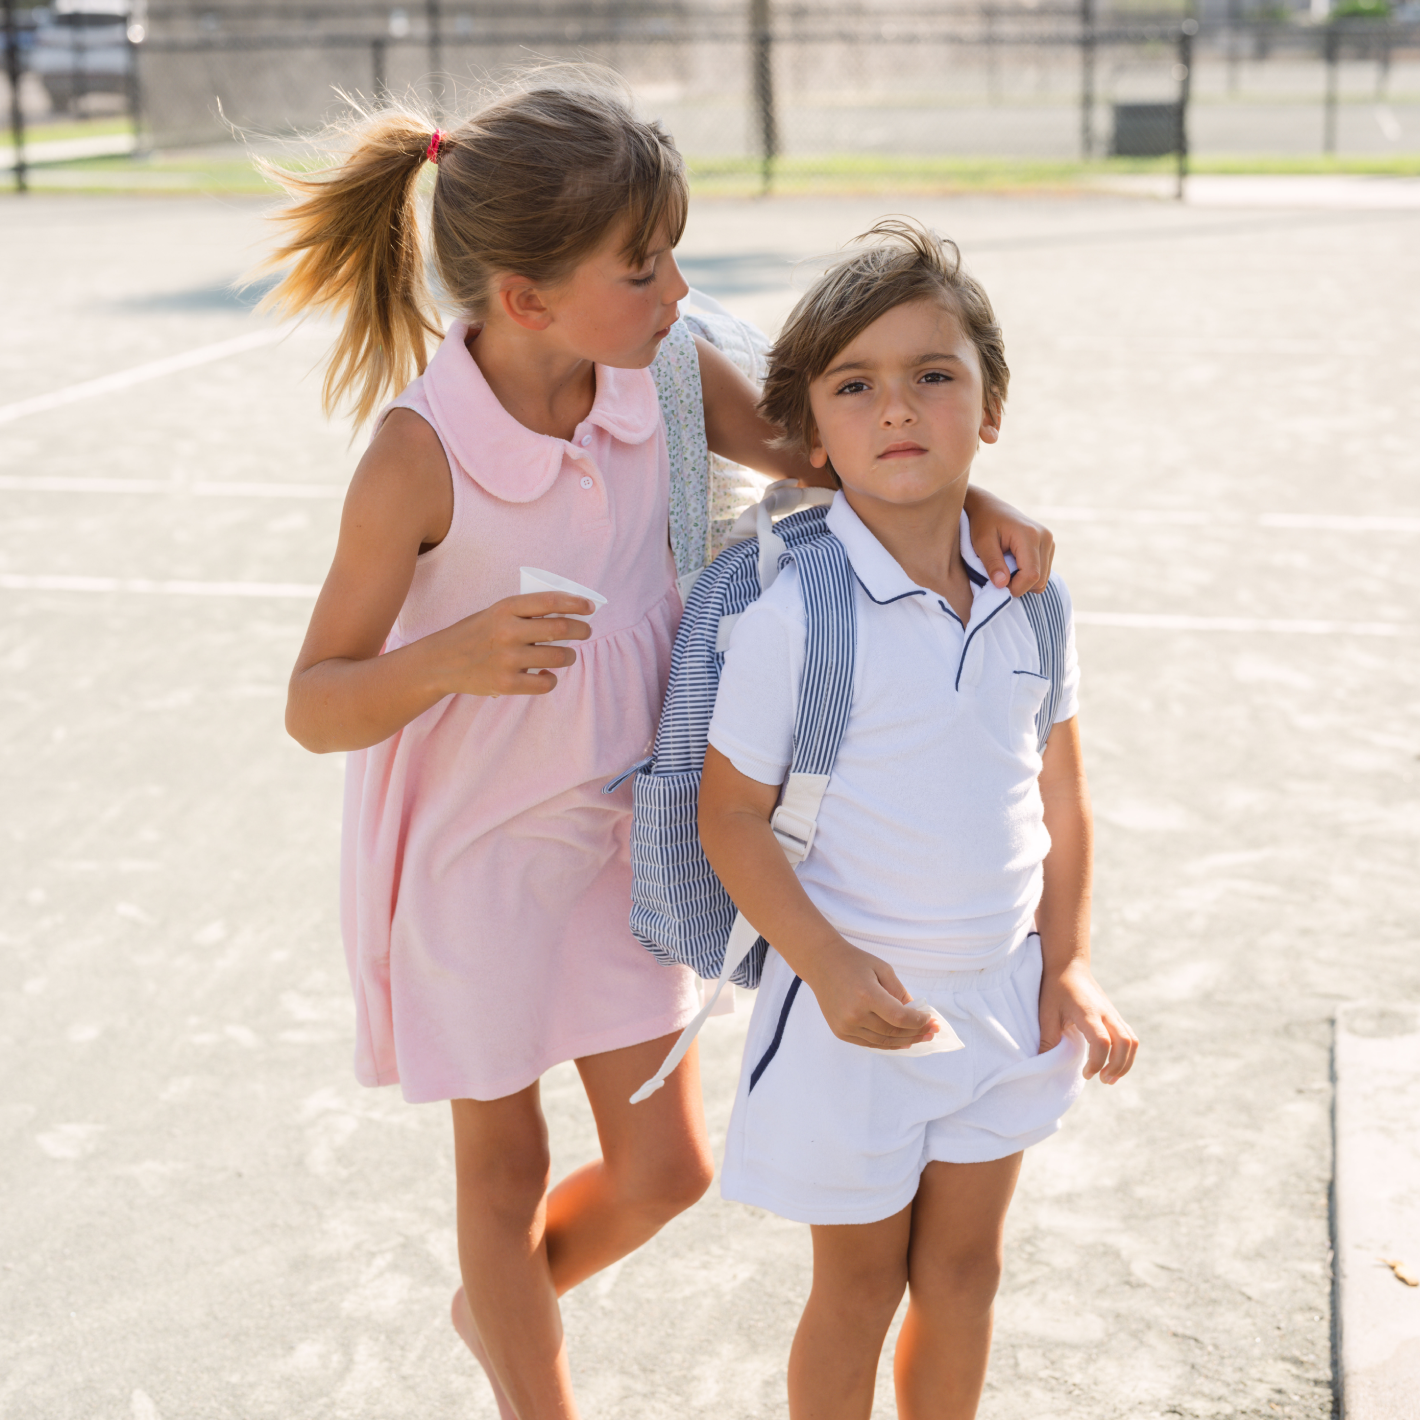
x=1144, y=130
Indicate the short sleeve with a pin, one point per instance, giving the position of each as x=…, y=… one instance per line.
x=1068, y=705
x=753, y=723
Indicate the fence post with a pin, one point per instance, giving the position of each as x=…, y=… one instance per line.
x=1087, y=79
x=133, y=37
x=17, y=117
x=1332, y=49
x=761, y=37
x=436, y=54
x=1186, y=31
x=377, y=66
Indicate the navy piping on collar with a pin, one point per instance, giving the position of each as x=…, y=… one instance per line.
x=915, y=592
x=976, y=577
x=967, y=645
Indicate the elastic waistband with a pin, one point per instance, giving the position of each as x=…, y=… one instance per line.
x=967, y=978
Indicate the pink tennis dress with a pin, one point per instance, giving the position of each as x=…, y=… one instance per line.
x=485, y=878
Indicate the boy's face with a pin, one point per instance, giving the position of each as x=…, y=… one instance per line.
x=900, y=410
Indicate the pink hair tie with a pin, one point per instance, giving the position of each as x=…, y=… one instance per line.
x=432, y=151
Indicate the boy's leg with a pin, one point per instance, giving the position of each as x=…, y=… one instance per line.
x=860, y=1270
x=954, y=1267
x=656, y=1161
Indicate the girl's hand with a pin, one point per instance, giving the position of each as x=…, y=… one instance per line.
x=996, y=529
x=1070, y=999
x=491, y=652
x=864, y=1003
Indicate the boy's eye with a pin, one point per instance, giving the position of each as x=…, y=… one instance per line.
x=936, y=377
x=853, y=387
x=643, y=280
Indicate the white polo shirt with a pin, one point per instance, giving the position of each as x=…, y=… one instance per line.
x=931, y=834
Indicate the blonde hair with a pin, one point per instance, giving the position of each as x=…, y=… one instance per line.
x=906, y=262
x=531, y=183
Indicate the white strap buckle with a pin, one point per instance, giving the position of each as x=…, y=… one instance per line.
x=794, y=832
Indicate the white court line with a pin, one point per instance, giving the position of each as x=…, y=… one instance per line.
x=139, y=374
x=19, y=582
x=1126, y=620
x=1186, y=517
x=233, y=488
x=1163, y=621
x=221, y=488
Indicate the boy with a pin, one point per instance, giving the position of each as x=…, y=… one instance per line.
x=950, y=868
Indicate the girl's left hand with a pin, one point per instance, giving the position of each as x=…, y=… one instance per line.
x=996, y=529
x=1071, y=999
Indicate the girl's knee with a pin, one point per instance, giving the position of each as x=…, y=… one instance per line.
x=669, y=1184
x=501, y=1156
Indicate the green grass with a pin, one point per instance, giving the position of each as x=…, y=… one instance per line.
x=214, y=171
x=94, y=128
x=847, y=174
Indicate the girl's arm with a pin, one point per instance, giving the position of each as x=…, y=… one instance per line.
x=735, y=429
x=860, y=997
x=1070, y=998
x=344, y=694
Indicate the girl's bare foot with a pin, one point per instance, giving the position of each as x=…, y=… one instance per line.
x=462, y=1318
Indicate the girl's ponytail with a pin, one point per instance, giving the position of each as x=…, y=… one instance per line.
x=353, y=245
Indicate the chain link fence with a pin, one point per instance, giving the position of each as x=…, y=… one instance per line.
x=778, y=93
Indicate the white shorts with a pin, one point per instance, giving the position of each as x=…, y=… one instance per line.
x=828, y=1132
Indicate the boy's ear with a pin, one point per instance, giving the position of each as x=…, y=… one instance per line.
x=522, y=303
x=990, y=429
x=818, y=455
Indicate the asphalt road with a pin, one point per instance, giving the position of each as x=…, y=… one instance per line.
x=205, y=1217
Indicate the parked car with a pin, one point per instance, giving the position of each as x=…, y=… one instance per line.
x=81, y=47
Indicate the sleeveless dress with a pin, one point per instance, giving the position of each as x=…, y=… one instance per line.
x=485, y=878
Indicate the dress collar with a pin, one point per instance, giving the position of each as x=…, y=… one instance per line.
x=504, y=457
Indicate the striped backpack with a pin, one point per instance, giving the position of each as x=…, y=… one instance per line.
x=680, y=911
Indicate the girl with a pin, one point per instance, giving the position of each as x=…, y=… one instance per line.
x=486, y=879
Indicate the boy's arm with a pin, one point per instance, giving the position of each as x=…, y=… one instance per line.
x=860, y=997
x=1070, y=998
x=736, y=430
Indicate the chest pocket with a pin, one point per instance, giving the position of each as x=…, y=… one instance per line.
x=1028, y=697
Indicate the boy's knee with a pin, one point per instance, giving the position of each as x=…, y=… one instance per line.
x=966, y=1280
x=868, y=1292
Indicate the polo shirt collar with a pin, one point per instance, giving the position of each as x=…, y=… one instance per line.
x=504, y=457
x=882, y=577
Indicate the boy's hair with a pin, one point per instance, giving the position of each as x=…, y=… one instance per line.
x=531, y=183
x=906, y=262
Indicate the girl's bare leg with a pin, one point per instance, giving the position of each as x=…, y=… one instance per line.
x=860, y=1271
x=953, y=1270
x=501, y=1160
x=520, y=1248
x=655, y=1163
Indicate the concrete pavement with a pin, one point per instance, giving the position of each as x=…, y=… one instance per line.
x=205, y=1216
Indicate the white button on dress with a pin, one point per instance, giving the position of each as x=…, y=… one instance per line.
x=586, y=441
x=586, y=482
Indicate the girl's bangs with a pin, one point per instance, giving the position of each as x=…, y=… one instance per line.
x=658, y=201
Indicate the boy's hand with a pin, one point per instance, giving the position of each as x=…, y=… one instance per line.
x=996, y=529
x=1070, y=999
x=865, y=1004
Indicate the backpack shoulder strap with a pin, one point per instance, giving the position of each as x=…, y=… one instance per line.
x=676, y=371
x=1046, y=613
x=826, y=580
x=825, y=692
